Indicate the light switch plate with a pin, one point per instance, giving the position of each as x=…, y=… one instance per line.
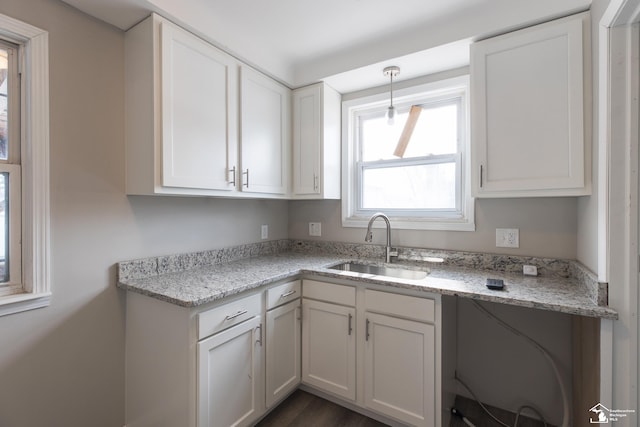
x=507, y=238
x=264, y=231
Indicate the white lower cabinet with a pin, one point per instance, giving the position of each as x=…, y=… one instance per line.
x=226, y=364
x=391, y=340
x=401, y=357
x=329, y=347
x=230, y=376
x=283, y=351
x=399, y=361
x=230, y=363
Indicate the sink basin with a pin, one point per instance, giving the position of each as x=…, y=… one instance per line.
x=381, y=270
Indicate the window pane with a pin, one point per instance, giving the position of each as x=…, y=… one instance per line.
x=379, y=139
x=435, y=132
x=4, y=228
x=4, y=131
x=431, y=186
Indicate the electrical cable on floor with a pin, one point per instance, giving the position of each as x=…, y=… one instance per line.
x=460, y=415
x=545, y=353
x=484, y=408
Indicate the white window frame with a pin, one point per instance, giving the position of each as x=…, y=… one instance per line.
x=352, y=215
x=34, y=291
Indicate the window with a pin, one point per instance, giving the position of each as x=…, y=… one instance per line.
x=414, y=170
x=24, y=167
x=10, y=173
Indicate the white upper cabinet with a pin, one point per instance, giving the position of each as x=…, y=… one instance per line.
x=265, y=137
x=199, y=112
x=186, y=105
x=316, y=142
x=528, y=91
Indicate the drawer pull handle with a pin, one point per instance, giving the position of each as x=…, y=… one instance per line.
x=367, y=331
x=288, y=294
x=238, y=314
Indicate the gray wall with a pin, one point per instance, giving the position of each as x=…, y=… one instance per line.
x=547, y=227
x=64, y=365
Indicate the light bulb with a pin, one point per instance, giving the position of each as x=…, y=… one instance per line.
x=391, y=112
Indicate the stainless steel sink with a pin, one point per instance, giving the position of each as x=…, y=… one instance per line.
x=381, y=270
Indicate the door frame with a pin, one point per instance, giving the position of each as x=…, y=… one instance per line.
x=618, y=201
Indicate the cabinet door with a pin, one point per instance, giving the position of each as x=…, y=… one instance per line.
x=316, y=142
x=265, y=109
x=307, y=119
x=400, y=377
x=199, y=112
x=230, y=389
x=528, y=112
x=283, y=351
x=329, y=347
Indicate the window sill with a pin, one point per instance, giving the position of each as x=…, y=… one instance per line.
x=23, y=302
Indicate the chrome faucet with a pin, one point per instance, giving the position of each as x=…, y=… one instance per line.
x=389, y=252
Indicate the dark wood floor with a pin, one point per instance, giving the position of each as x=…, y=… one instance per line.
x=303, y=409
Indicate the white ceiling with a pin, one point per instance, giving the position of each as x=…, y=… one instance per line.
x=346, y=42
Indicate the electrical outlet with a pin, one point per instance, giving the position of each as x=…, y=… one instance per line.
x=264, y=231
x=315, y=229
x=529, y=270
x=507, y=238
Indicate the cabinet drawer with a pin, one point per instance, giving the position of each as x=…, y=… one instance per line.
x=282, y=294
x=423, y=309
x=227, y=315
x=339, y=294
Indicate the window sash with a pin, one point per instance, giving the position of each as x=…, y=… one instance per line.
x=456, y=212
x=13, y=94
x=14, y=213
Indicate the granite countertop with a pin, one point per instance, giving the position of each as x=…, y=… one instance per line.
x=183, y=281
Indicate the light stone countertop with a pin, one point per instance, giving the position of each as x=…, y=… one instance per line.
x=198, y=286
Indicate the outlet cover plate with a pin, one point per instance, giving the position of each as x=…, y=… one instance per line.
x=507, y=238
x=315, y=229
x=264, y=231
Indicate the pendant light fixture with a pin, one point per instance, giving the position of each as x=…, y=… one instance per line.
x=391, y=72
